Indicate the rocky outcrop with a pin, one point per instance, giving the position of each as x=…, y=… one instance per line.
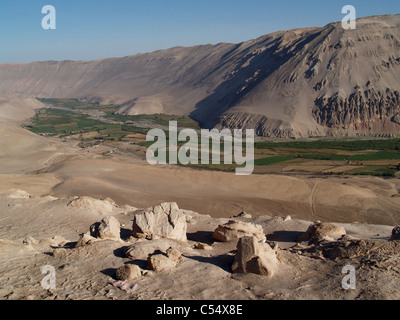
x=141, y=250
x=319, y=231
x=254, y=257
x=373, y=251
x=360, y=110
x=18, y=194
x=101, y=207
x=160, y=262
x=164, y=220
x=108, y=228
x=234, y=230
x=263, y=126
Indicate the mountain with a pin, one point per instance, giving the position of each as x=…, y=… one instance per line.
x=297, y=83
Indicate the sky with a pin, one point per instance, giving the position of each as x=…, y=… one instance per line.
x=95, y=29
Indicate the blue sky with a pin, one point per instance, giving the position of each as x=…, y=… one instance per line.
x=93, y=29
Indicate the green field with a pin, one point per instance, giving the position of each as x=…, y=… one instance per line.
x=65, y=117
x=365, y=155
x=271, y=160
x=160, y=119
x=72, y=104
x=382, y=171
x=63, y=123
x=351, y=145
x=55, y=121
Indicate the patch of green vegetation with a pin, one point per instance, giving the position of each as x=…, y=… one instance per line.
x=379, y=171
x=348, y=145
x=159, y=119
x=110, y=112
x=383, y=155
x=271, y=160
x=65, y=123
x=324, y=156
x=57, y=121
x=377, y=156
x=69, y=103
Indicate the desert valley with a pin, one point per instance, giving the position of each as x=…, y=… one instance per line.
x=77, y=193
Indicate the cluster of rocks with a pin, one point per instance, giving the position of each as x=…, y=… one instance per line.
x=157, y=229
x=165, y=221
x=157, y=261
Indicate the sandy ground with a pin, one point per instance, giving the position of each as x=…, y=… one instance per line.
x=89, y=272
x=52, y=172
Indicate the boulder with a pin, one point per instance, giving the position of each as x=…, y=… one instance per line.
x=142, y=249
x=108, y=228
x=159, y=263
x=128, y=272
x=396, y=233
x=254, y=257
x=319, y=231
x=164, y=220
x=234, y=230
x=174, y=255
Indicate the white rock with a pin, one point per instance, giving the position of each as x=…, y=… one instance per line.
x=254, y=257
x=234, y=230
x=108, y=228
x=164, y=220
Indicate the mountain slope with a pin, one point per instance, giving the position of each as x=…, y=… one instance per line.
x=297, y=83
x=344, y=80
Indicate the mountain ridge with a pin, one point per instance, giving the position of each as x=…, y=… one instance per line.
x=303, y=82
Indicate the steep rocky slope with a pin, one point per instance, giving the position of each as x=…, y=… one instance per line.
x=297, y=83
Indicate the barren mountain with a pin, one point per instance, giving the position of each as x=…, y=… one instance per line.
x=298, y=83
